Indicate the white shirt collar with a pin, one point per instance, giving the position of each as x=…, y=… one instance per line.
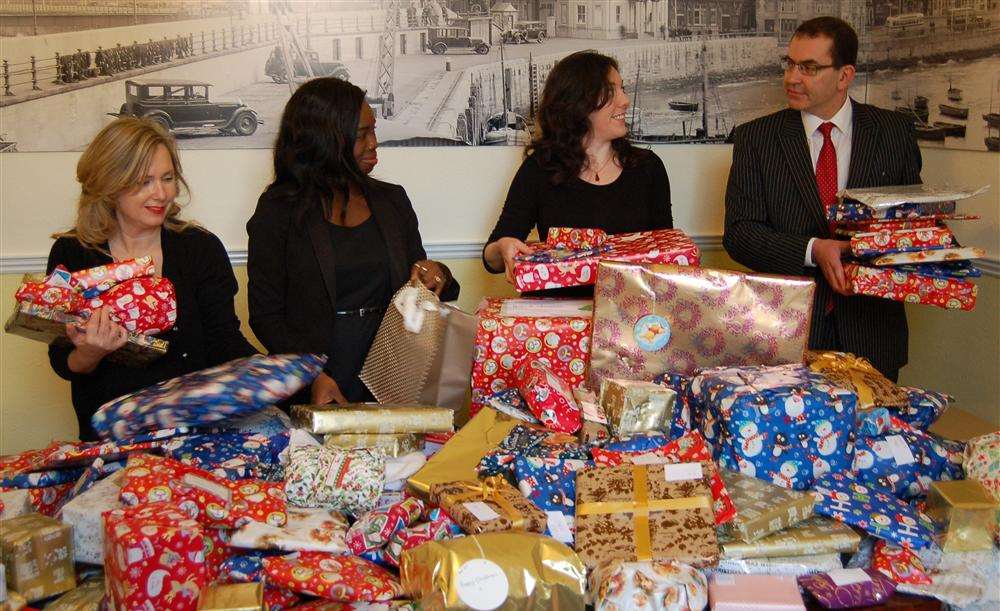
x=842, y=119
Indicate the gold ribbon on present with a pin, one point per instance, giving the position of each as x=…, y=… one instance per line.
x=859, y=372
x=640, y=507
x=487, y=489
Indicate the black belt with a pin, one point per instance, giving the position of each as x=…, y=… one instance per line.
x=361, y=312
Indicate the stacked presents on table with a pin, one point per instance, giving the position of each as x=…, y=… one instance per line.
x=902, y=248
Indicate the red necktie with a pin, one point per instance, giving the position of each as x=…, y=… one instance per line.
x=826, y=180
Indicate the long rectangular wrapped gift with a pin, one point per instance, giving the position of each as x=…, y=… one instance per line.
x=887, y=283
x=890, y=241
x=651, y=319
x=763, y=508
x=394, y=444
x=380, y=419
x=816, y=535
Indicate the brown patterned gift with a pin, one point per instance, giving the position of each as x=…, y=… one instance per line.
x=763, y=508
x=817, y=535
x=38, y=553
x=490, y=505
x=645, y=512
x=857, y=374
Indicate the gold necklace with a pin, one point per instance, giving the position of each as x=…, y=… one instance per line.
x=597, y=177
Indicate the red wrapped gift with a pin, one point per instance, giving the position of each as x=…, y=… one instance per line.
x=574, y=237
x=56, y=297
x=155, y=558
x=690, y=447
x=438, y=529
x=103, y=277
x=548, y=396
x=146, y=305
x=886, y=241
x=947, y=293
x=899, y=563
x=340, y=578
x=510, y=330
x=658, y=246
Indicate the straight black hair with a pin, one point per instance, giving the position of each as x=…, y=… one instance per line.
x=845, y=39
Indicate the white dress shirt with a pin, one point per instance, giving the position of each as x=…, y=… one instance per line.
x=841, y=137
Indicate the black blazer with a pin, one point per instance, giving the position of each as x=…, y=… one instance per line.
x=291, y=268
x=206, y=332
x=773, y=209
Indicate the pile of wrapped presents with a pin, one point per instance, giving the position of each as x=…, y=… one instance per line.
x=671, y=444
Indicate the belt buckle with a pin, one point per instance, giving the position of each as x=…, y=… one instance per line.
x=362, y=312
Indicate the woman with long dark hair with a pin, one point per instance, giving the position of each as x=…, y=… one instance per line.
x=582, y=171
x=328, y=244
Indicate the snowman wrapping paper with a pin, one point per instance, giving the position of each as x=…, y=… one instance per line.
x=784, y=424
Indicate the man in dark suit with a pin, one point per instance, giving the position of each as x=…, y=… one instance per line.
x=787, y=168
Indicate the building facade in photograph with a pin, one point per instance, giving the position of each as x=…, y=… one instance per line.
x=612, y=19
x=711, y=16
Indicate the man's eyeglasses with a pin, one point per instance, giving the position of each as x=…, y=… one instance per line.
x=808, y=68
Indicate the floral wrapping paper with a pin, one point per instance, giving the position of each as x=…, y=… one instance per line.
x=930, y=256
x=886, y=283
x=550, y=483
x=502, y=342
x=339, y=578
x=664, y=246
x=505, y=508
x=852, y=211
x=632, y=406
x=763, y=508
x=898, y=563
x=687, y=448
x=890, y=241
x=787, y=424
x=439, y=528
x=858, y=374
x=373, y=530
x=237, y=388
x=156, y=558
x=548, y=396
x=394, y=444
x=632, y=513
x=649, y=319
x=781, y=565
x=729, y=592
x=311, y=530
x=575, y=237
x=815, y=535
x=982, y=462
x=923, y=407
x=877, y=589
x=509, y=401
x=37, y=552
x=227, y=455
x=657, y=585
x=874, y=511
x=346, y=481
x=84, y=514
x=904, y=460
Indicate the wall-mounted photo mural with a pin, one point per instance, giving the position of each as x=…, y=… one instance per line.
x=470, y=72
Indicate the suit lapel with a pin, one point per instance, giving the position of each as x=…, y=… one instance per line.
x=323, y=248
x=863, y=143
x=389, y=226
x=796, y=151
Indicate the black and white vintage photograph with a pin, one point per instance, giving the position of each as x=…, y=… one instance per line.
x=469, y=72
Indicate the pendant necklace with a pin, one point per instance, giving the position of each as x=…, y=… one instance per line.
x=597, y=177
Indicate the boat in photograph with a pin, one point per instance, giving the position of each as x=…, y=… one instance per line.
x=954, y=93
x=992, y=143
x=921, y=115
x=683, y=106
x=951, y=130
x=992, y=119
x=929, y=132
x=959, y=112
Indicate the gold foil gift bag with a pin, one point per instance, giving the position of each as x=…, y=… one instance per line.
x=650, y=319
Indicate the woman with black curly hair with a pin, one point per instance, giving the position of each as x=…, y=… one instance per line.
x=582, y=171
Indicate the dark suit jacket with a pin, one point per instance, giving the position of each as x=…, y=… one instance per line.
x=291, y=273
x=773, y=209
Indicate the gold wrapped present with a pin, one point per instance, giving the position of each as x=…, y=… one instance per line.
x=966, y=513
x=38, y=553
x=636, y=407
x=816, y=535
x=86, y=597
x=646, y=512
x=13, y=602
x=856, y=373
x=458, y=458
x=503, y=571
x=232, y=597
x=394, y=444
x=763, y=508
x=373, y=418
x=491, y=505
x=48, y=325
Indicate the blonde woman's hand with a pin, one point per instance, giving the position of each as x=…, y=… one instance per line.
x=97, y=338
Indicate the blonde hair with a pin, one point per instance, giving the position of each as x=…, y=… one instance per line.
x=115, y=162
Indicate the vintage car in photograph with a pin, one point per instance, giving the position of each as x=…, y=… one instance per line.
x=531, y=31
x=442, y=40
x=275, y=66
x=180, y=105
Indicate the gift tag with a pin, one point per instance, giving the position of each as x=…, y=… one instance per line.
x=845, y=577
x=482, y=584
x=559, y=526
x=546, y=308
x=647, y=459
x=481, y=510
x=683, y=471
x=214, y=488
x=900, y=450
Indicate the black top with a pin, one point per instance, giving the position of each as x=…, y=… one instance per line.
x=293, y=267
x=206, y=333
x=639, y=200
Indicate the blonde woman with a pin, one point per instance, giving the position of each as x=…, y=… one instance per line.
x=130, y=177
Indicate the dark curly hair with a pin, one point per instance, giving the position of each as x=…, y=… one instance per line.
x=314, y=152
x=576, y=86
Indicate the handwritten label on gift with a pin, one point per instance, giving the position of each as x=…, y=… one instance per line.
x=900, y=450
x=481, y=510
x=545, y=308
x=647, y=459
x=482, y=584
x=683, y=471
x=559, y=526
x=846, y=577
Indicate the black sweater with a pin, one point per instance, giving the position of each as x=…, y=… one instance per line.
x=206, y=333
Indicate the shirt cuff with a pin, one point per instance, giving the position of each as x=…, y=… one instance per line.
x=809, y=253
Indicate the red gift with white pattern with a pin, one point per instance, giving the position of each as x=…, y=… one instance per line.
x=155, y=558
x=899, y=563
x=575, y=237
x=886, y=241
x=339, y=578
x=657, y=246
x=145, y=305
x=103, y=277
x=908, y=287
x=549, y=397
x=507, y=335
